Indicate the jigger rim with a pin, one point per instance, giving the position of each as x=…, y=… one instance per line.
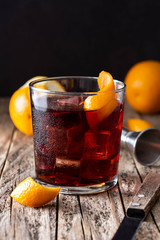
x=135, y=143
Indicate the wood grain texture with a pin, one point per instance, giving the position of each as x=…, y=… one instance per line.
x=69, y=218
x=6, y=131
x=154, y=119
x=148, y=228
x=97, y=210
x=32, y=223
x=88, y=217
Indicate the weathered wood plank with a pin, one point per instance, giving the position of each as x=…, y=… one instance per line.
x=116, y=205
x=143, y=171
x=156, y=213
x=8, y=181
x=31, y=223
x=6, y=130
x=97, y=211
x=148, y=228
x=147, y=231
x=69, y=218
x=129, y=181
x=20, y=159
x=129, y=112
x=154, y=119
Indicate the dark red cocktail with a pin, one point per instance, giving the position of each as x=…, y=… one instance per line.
x=68, y=150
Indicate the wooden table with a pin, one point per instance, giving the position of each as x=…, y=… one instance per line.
x=67, y=217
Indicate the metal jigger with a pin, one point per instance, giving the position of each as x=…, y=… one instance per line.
x=145, y=145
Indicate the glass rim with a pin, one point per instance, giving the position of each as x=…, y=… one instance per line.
x=32, y=83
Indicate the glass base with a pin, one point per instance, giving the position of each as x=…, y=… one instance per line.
x=82, y=190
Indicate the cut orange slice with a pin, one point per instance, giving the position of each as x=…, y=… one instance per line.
x=51, y=85
x=138, y=125
x=103, y=103
x=32, y=194
x=26, y=84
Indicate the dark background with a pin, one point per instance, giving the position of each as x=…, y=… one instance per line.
x=56, y=38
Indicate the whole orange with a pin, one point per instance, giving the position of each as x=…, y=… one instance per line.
x=143, y=86
x=20, y=108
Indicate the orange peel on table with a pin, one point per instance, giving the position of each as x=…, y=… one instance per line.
x=138, y=125
x=102, y=104
x=32, y=194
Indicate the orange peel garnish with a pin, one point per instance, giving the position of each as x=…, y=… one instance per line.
x=105, y=81
x=32, y=194
x=102, y=104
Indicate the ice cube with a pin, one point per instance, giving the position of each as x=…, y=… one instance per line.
x=75, y=144
x=95, y=145
x=71, y=102
x=67, y=172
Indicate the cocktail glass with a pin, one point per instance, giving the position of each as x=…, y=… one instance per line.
x=75, y=148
